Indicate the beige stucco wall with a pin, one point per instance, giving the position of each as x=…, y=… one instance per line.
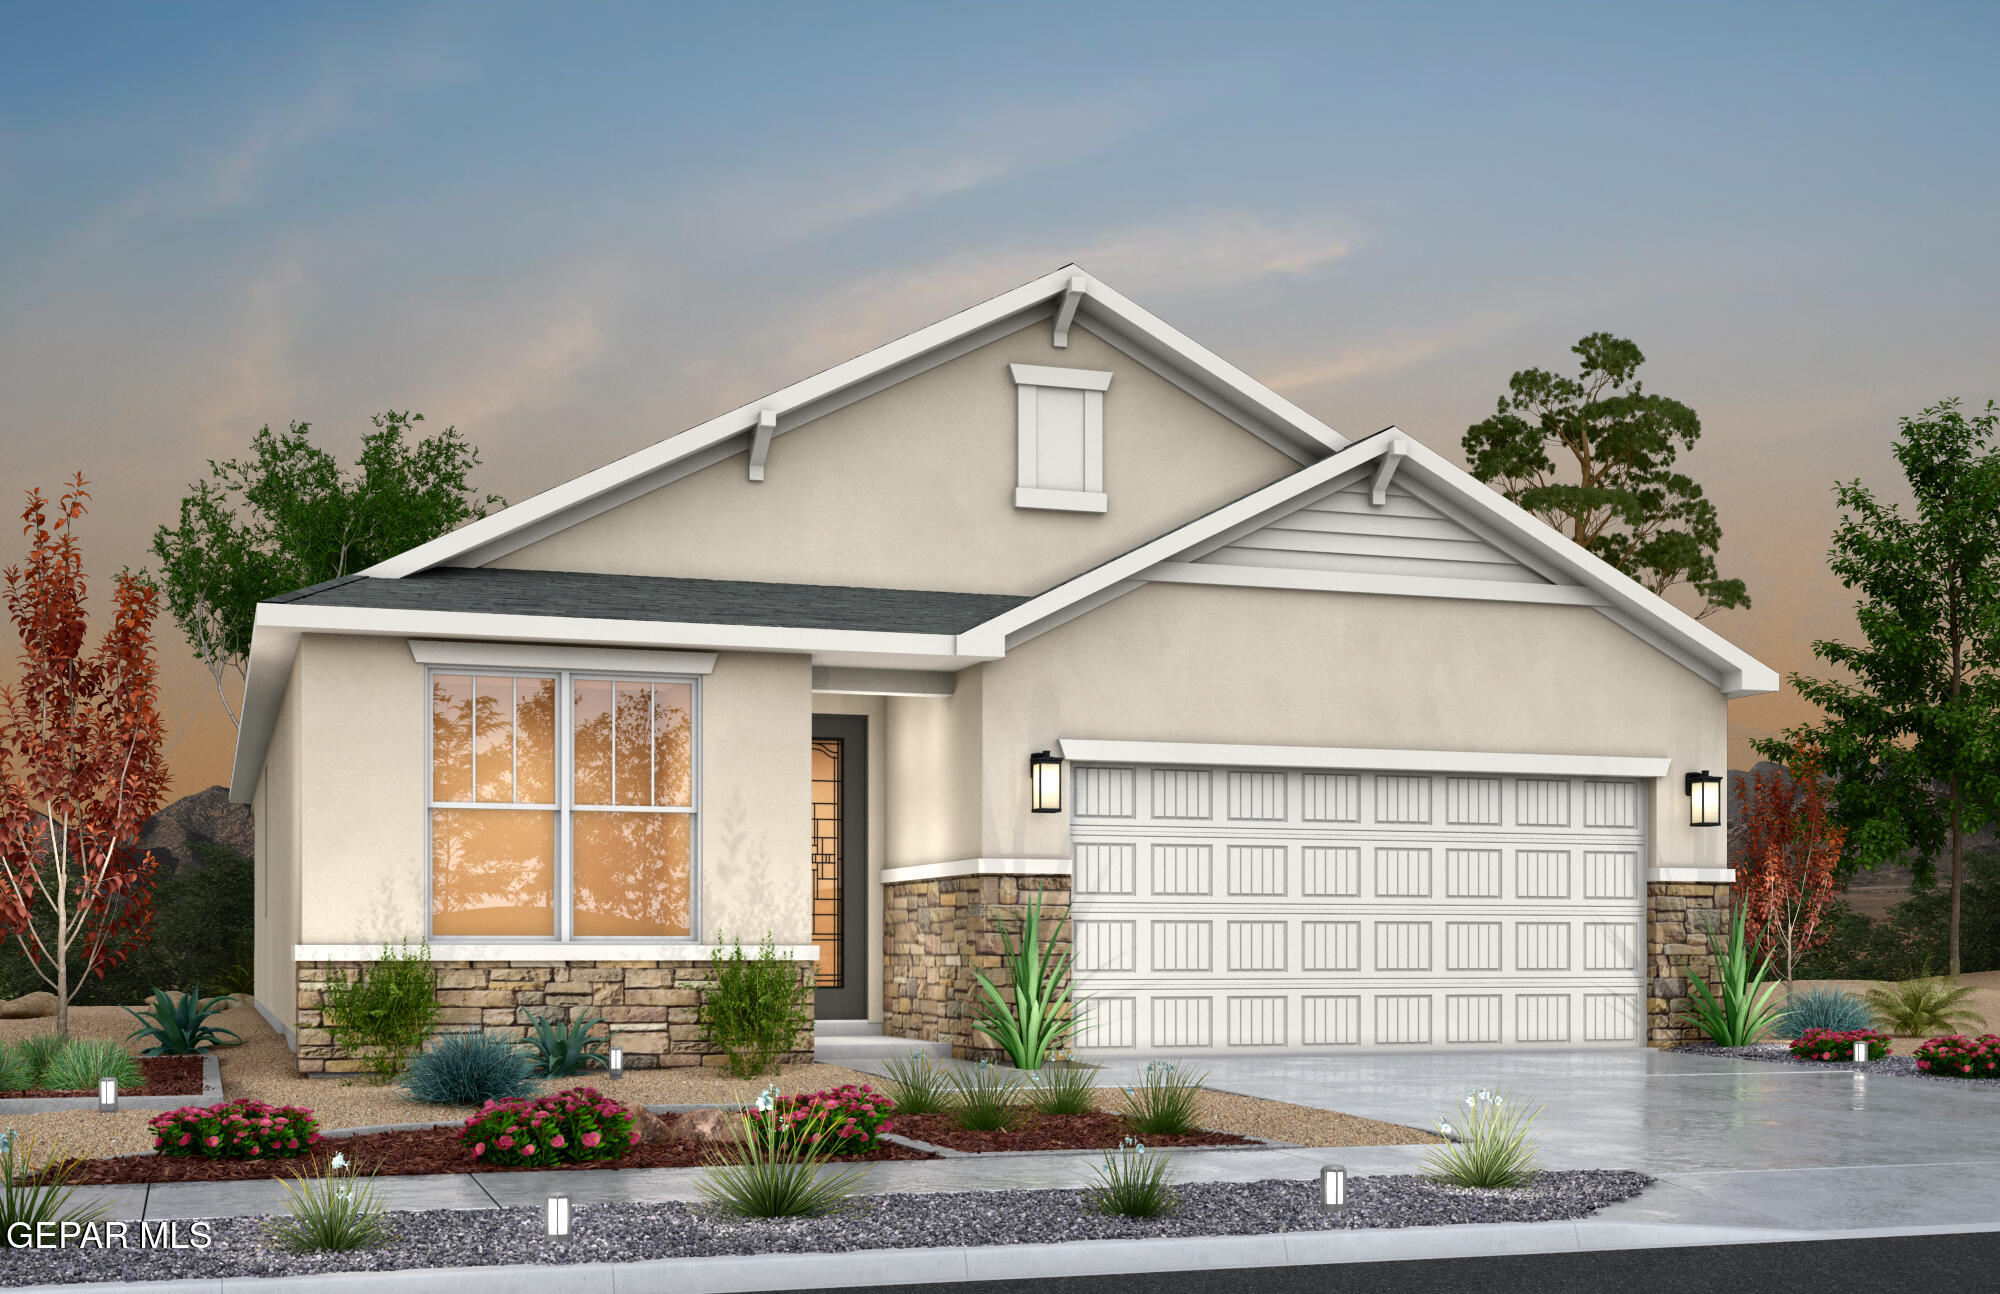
x=875, y=709
x=362, y=777
x=274, y=809
x=913, y=487
x=1273, y=667
x=935, y=754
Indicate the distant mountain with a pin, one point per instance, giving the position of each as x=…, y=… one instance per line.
x=204, y=816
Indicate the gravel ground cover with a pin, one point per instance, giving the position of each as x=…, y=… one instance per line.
x=635, y=1232
x=400, y=1154
x=1048, y=1132
x=1779, y=1054
x=165, y=1076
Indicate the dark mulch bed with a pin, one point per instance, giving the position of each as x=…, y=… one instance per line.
x=1050, y=1132
x=399, y=1154
x=165, y=1076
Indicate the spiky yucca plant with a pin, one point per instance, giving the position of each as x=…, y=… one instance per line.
x=1035, y=1023
x=1745, y=1010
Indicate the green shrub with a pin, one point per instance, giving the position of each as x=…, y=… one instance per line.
x=35, y=1190
x=37, y=1052
x=469, y=1069
x=778, y=1172
x=179, y=1026
x=82, y=1061
x=1492, y=1147
x=333, y=1212
x=1132, y=1183
x=1744, y=1012
x=757, y=1009
x=983, y=1099
x=565, y=1050
x=1063, y=1089
x=1910, y=943
x=1036, y=1018
x=1920, y=1007
x=16, y=1072
x=1823, y=1008
x=1167, y=1101
x=916, y=1085
x=385, y=1011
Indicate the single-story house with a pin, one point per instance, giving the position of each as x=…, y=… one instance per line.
x=1321, y=743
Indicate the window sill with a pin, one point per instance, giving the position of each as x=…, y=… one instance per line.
x=1060, y=500
x=551, y=951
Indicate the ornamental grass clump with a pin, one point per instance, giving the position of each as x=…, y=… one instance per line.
x=1919, y=1008
x=1823, y=1008
x=35, y=1191
x=1839, y=1044
x=17, y=1073
x=1166, y=1102
x=984, y=1099
x=1743, y=1012
x=1957, y=1056
x=1068, y=1088
x=239, y=1129
x=917, y=1085
x=333, y=1212
x=777, y=1170
x=577, y=1125
x=1491, y=1147
x=1132, y=1183
x=1033, y=1022
x=179, y=1026
x=36, y=1052
x=469, y=1069
x=83, y=1061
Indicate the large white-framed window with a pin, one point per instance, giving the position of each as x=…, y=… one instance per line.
x=1060, y=437
x=562, y=806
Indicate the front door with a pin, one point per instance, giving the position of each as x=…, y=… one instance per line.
x=840, y=864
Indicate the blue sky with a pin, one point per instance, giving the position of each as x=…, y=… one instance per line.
x=571, y=231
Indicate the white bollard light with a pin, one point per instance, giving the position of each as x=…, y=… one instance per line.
x=1861, y=1053
x=558, y=1217
x=616, y=1061
x=107, y=1095
x=1332, y=1188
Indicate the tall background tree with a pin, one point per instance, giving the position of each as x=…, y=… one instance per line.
x=1785, y=847
x=1625, y=502
x=288, y=516
x=1911, y=735
x=80, y=762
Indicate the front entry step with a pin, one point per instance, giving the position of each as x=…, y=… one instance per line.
x=839, y=1042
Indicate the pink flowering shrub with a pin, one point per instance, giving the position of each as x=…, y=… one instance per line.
x=850, y=1120
x=239, y=1129
x=574, y=1125
x=1958, y=1056
x=1838, y=1044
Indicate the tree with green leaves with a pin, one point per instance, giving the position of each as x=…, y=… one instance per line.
x=1626, y=503
x=287, y=517
x=1912, y=734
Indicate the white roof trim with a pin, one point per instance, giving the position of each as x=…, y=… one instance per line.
x=1732, y=670
x=532, y=656
x=1085, y=751
x=1127, y=325
x=975, y=867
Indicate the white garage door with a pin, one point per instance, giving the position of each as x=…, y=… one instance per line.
x=1219, y=909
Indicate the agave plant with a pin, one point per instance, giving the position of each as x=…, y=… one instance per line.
x=1035, y=1023
x=179, y=1027
x=565, y=1050
x=1745, y=1011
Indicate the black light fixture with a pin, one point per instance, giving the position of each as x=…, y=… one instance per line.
x=1045, y=782
x=1704, y=790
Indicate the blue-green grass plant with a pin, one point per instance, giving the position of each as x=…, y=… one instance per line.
x=1132, y=1183
x=985, y=1098
x=469, y=1069
x=1063, y=1088
x=1823, y=1008
x=917, y=1085
x=1166, y=1101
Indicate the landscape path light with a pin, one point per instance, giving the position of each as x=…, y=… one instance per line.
x=1333, y=1188
x=107, y=1095
x=616, y=1062
x=558, y=1217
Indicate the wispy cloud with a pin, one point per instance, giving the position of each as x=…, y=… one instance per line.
x=561, y=336
x=256, y=365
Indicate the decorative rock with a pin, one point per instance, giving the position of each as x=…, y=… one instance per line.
x=714, y=1127
x=652, y=1128
x=29, y=1006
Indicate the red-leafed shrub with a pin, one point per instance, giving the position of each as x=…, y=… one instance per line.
x=846, y=1120
x=239, y=1129
x=1959, y=1056
x=574, y=1125
x=1832, y=1044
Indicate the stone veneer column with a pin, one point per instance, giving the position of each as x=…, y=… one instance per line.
x=1679, y=919
x=652, y=1008
x=936, y=932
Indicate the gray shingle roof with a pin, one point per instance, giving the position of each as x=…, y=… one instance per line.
x=647, y=597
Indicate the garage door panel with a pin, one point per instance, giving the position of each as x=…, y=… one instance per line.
x=1234, y=908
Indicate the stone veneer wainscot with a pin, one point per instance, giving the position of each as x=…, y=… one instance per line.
x=653, y=1008
x=937, y=932
x=1679, y=919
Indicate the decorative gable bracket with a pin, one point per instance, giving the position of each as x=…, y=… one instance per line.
x=760, y=441
x=1066, y=312
x=1378, y=491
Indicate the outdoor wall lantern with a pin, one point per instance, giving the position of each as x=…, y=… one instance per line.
x=616, y=1062
x=558, y=1217
x=107, y=1095
x=1045, y=780
x=1332, y=1188
x=1705, y=799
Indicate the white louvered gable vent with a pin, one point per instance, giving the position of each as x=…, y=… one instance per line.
x=1060, y=415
